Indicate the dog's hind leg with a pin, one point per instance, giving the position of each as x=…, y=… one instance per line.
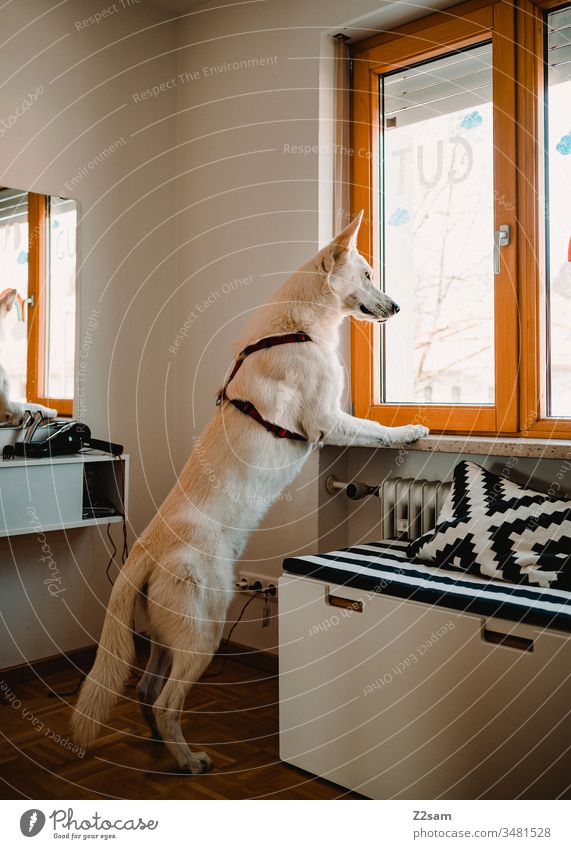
x=186, y=669
x=149, y=687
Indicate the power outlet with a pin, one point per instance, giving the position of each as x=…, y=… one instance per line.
x=251, y=582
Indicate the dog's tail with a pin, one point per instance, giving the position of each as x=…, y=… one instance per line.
x=115, y=654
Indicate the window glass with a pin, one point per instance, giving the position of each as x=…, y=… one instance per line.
x=437, y=224
x=14, y=264
x=558, y=218
x=60, y=307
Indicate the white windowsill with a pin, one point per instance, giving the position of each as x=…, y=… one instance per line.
x=495, y=446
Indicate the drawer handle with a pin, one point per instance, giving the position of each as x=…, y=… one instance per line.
x=510, y=640
x=346, y=603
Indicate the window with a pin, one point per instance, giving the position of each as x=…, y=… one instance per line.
x=558, y=194
x=437, y=213
x=14, y=254
x=37, y=249
x=462, y=139
x=59, y=318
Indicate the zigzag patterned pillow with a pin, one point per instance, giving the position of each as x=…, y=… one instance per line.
x=493, y=527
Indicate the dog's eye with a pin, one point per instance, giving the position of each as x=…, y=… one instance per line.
x=367, y=275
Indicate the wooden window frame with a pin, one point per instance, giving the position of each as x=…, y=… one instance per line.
x=532, y=200
x=519, y=312
x=37, y=305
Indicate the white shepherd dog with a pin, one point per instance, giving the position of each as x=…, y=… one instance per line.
x=182, y=565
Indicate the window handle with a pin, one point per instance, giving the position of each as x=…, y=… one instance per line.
x=502, y=238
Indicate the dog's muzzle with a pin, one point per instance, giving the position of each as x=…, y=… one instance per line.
x=394, y=309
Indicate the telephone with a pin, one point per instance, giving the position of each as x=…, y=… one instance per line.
x=56, y=438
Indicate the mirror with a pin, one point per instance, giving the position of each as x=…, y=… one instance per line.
x=38, y=238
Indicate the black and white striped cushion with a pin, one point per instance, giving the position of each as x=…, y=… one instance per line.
x=384, y=567
x=491, y=526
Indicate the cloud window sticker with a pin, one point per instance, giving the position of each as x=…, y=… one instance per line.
x=564, y=145
x=472, y=120
x=399, y=217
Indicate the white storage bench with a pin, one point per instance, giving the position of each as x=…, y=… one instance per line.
x=400, y=680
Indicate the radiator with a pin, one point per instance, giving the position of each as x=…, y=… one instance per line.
x=410, y=507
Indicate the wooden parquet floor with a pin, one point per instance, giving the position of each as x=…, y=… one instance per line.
x=233, y=717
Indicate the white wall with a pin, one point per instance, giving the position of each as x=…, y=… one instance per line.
x=202, y=195
x=127, y=270
x=248, y=208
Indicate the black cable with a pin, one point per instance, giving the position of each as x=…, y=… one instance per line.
x=125, y=549
x=112, y=559
x=250, y=600
x=125, y=552
x=226, y=642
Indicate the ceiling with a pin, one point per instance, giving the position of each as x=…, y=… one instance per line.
x=390, y=13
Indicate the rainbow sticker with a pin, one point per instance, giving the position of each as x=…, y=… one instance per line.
x=19, y=304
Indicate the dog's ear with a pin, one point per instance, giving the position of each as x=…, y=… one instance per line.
x=7, y=299
x=344, y=241
x=347, y=238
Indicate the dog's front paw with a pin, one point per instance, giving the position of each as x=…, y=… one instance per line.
x=390, y=437
x=406, y=434
x=417, y=432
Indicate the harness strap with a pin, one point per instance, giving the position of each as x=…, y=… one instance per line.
x=246, y=406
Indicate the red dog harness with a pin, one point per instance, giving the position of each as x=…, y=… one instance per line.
x=246, y=406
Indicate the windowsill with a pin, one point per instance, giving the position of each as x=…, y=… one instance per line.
x=495, y=446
